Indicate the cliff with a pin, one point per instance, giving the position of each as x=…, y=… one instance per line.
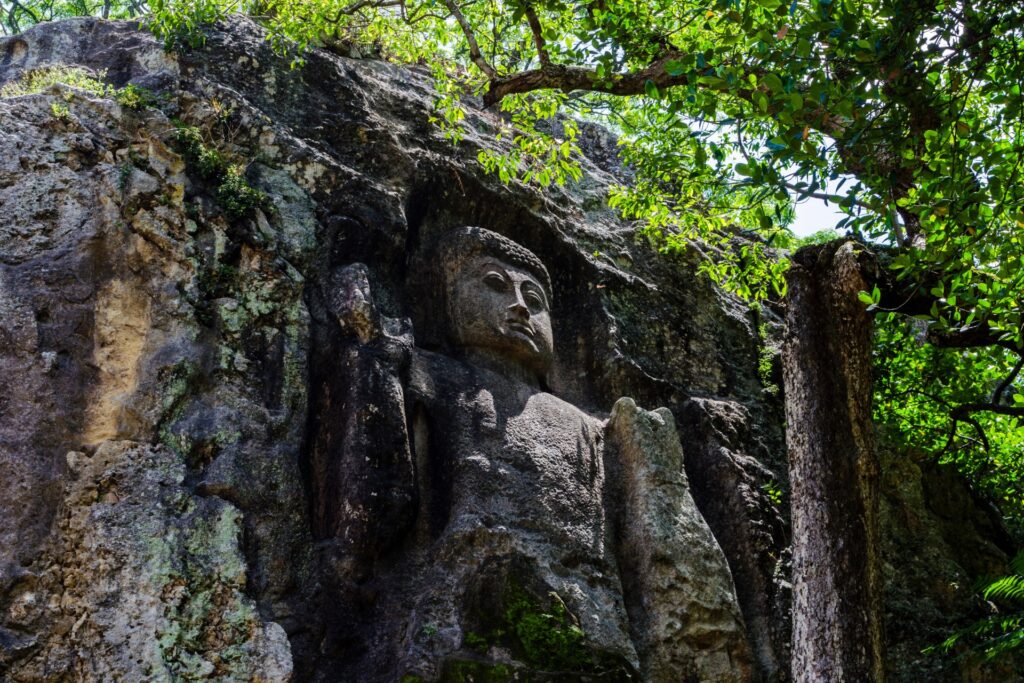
x=169, y=273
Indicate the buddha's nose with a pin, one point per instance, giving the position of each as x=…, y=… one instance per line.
x=518, y=306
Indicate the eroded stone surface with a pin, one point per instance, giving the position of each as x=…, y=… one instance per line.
x=146, y=582
x=495, y=539
x=684, y=612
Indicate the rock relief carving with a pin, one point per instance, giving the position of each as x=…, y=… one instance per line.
x=473, y=523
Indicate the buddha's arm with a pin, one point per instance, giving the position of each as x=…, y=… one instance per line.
x=678, y=587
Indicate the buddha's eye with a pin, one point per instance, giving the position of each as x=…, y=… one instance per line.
x=534, y=300
x=495, y=281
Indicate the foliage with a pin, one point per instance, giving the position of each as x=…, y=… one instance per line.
x=236, y=197
x=180, y=22
x=774, y=492
x=918, y=389
x=38, y=80
x=135, y=97
x=819, y=237
x=726, y=111
x=540, y=633
x=18, y=15
x=535, y=155
x=124, y=176
x=549, y=638
x=907, y=114
x=60, y=111
x=1002, y=631
x=475, y=641
x=475, y=671
x=767, y=356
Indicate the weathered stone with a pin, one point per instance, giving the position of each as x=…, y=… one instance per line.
x=939, y=536
x=683, y=612
x=732, y=489
x=146, y=583
x=510, y=561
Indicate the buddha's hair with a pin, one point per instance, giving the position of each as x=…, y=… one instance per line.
x=456, y=246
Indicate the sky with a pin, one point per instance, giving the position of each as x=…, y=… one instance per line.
x=812, y=215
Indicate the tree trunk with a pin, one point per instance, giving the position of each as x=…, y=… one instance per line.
x=837, y=623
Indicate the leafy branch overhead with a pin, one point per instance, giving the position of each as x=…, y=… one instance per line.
x=907, y=116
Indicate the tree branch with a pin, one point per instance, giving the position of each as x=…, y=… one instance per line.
x=962, y=411
x=360, y=4
x=834, y=198
x=970, y=338
x=538, y=35
x=971, y=421
x=15, y=6
x=474, y=47
x=997, y=395
x=570, y=78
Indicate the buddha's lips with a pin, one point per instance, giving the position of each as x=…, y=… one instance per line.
x=525, y=328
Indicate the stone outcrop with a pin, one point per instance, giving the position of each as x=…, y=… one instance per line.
x=939, y=538
x=147, y=581
x=502, y=530
x=683, y=614
x=172, y=359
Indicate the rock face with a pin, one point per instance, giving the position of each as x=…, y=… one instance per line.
x=682, y=612
x=149, y=575
x=938, y=538
x=223, y=365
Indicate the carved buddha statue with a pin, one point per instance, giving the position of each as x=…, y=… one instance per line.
x=515, y=474
x=472, y=525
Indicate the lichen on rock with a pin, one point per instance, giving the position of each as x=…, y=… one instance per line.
x=146, y=581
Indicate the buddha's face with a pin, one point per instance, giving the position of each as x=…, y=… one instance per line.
x=503, y=310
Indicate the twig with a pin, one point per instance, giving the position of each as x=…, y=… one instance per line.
x=474, y=47
x=360, y=4
x=997, y=395
x=838, y=199
x=538, y=35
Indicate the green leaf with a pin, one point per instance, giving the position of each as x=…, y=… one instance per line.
x=674, y=68
x=772, y=82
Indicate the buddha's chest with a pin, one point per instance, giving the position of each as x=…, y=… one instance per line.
x=526, y=459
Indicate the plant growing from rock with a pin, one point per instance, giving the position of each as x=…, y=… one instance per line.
x=234, y=194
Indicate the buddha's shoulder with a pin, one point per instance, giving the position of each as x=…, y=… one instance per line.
x=560, y=409
x=435, y=374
